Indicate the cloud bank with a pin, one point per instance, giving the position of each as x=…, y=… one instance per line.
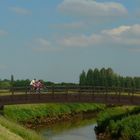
x=90, y=8
x=125, y=35
x=122, y=35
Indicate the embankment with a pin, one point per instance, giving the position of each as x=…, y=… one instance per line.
x=120, y=123
x=38, y=114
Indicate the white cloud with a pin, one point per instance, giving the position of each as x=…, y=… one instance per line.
x=44, y=42
x=42, y=45
x=116, y=31
x=92, y=8
x=135, y=29
x=79, y=41
x=3, y=33
x=123, y=35
x=20, y=10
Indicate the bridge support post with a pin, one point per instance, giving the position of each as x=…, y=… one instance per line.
x=1, y=109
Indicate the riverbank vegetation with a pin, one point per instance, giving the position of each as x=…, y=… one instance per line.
x=13, y=131
x=23, y=113
x=37, y=114
x=121, y=123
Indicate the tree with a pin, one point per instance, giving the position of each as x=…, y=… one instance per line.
x=109, y=77
x=12, y=80
x=96, y=76
x=128, y=82
x=102, y=77
x=137, y=82
x=89, y=79
x=82, y=78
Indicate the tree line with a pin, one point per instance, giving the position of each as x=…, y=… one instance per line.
x=6, y=83
x=107, y=78
x=93, y=77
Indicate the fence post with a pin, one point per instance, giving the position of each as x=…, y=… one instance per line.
x=132, y=95
x=52, y=91
x=106, y=93
x=79, y=92
x=66, y=89
x=26, y=90
x=12, y=90
x=119, y=95
x=93, y=91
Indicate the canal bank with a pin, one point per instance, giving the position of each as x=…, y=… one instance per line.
x=33, y=116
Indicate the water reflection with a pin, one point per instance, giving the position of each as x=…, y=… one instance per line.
x=71, y=130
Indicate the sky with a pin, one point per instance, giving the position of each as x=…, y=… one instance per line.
x=55, y=40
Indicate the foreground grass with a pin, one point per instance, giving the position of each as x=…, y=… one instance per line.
x=12, y=131
x=5, y=134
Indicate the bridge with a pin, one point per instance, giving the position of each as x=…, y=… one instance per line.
x=70, y=94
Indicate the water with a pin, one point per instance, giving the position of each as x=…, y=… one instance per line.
x=72, y=130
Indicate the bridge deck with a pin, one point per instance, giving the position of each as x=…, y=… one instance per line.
x=72, y=95
x=69, y=98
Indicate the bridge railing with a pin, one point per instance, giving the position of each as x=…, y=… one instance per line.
x=71, y=90
x=100, y=94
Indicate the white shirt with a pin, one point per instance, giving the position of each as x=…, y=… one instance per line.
x=32, y=82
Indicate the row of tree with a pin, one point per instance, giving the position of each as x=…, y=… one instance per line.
x=25, y=83
x=97, y=77
x=108, y=78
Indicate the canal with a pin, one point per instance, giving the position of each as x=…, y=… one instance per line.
x=79, y=129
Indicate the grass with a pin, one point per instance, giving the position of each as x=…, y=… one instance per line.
x=13, y=131
x=23, y=113
x=5, y=134
x=121, y=123
x=127, y=128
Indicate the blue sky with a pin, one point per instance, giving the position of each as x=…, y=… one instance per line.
x=55, y=40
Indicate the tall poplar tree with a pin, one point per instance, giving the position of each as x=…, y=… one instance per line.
x=82, y=78
x=90, y=77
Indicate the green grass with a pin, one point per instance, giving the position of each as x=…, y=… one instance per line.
x=127, y=128
x=121, y=123
x=5, y=134
x=13, y=131
x=23, y=113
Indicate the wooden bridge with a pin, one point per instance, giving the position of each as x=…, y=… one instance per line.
x=70, y=94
